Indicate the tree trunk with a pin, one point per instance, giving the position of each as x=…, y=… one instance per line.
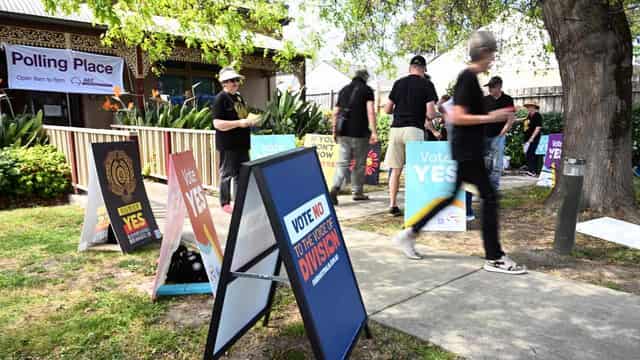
x=592, y=42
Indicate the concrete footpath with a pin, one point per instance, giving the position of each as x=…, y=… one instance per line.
x=448, y=300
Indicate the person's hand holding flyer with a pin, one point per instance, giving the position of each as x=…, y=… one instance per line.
x=255, y=120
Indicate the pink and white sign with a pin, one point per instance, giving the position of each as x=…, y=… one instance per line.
x=62, y=70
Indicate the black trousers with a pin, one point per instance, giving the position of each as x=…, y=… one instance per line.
x=532, y=159
x=474, y=172
x=230, y=161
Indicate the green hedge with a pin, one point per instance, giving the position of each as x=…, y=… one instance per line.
x=383, y=126
x=38, y=172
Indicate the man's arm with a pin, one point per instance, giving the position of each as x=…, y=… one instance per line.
x=226, y=125
x=508, y=125
x=334, y=115
x=371, y=115
x=461, y=117
x=428, y=123
x=388, y=107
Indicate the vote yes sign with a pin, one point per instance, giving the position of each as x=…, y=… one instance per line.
x=554, y=151
x=430, y=177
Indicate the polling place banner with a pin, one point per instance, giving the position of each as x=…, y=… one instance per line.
x=430, y=176
x=552, y=159
x=266, y=145
x=327, y=150
x=62, y=70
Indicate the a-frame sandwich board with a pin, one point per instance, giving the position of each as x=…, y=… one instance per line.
x=117, y=201
x=283, y=211
x=186, y=195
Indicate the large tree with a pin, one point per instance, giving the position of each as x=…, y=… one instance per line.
x=591, y=40
x=223, y=30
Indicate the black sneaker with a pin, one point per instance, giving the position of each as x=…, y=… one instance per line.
x=360, y=197
x=333, y=194
x=395, y=211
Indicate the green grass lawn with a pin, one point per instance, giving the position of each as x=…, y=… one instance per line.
x=56, y=303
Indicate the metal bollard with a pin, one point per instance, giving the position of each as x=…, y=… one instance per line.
x=573, y=176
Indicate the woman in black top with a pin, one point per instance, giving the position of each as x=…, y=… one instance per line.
x=232, y=133
x=469, y=116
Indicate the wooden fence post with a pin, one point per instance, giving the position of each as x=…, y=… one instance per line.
x=167, y=151
x=72, y=160
x=331, y=100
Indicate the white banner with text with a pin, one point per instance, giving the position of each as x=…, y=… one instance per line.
x=62, y=70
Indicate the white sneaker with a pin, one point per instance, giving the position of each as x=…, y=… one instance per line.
x=471, y=218
x=505, y=265
x=406, y=241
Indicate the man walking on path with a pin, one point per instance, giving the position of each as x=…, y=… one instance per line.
x=358, y=130
x=532, y=129
x=232, y=133
x=467, y=147
x=495, y=136
x=412, y=102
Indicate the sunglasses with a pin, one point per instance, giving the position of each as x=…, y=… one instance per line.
x=236, y=80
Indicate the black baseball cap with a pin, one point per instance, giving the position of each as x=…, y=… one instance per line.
x=418, y=60
x=494, y=81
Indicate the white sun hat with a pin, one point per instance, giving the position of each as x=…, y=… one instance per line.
x=228, y=73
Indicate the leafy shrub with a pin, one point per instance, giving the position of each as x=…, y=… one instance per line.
x=384, y=125
x=33, y=172
x=23, y=130
x=165, y=114
x=513, y=147
x=287, y=113
x=552, y=123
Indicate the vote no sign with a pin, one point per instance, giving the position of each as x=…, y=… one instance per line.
x=290, y=191
x=314, y=238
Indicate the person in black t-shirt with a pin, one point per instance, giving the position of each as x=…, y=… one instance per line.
x=495, y=133
x=232, y=133
x=412, y=102
x=494, y=136
x=355, y=103
x=469, y=117
x=532, y=127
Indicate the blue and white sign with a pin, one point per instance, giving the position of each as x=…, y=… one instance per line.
x=62, y=70
x=542, y=145
x=430, y=176
x=266, y=145
x=315, y=253
x=302, y=220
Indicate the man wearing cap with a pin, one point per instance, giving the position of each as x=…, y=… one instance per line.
x=469, y=116
x=232, y=133
x=495, y=135
x=532, y=127
x=412, y=102
x=355, y=105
